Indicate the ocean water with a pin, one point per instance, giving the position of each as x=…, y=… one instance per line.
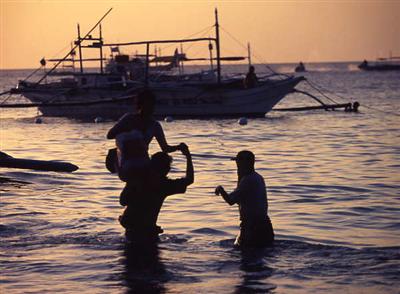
x=333, y=182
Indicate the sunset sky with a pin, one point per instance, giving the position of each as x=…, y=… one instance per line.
x=279, y=31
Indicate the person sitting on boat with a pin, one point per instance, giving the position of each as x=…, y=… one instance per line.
x=133, y=134
x=251, y=79
x=363, y=64
x=143, y=207
x=300, y=67
x=255, y=227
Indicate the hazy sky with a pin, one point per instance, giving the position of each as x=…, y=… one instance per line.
x=279, y=31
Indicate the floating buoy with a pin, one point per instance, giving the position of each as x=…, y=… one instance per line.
x=38, y=120
x=242, y=121
x=98, y=120
x=168, y=119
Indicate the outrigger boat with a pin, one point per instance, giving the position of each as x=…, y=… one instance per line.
x=110, y=92
x=381, y=64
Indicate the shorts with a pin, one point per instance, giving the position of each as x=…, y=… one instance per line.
x=256, y=235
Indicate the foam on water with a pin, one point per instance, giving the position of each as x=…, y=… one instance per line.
x=332, y=177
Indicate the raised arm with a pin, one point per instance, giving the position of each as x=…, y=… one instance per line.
x=242, y=189
x=120, y=127
x=189, y=164
x=221, y=191
x=160, y=137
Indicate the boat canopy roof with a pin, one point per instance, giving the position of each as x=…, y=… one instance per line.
x=160, y=42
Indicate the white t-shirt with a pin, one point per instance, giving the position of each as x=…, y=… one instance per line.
x=251, y=196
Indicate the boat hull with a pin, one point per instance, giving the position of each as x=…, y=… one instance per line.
x=380, y=67
x=184, y=101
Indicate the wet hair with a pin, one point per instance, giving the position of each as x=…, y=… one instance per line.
x=161, y=161
x=251, y=68
x=245, y=155
x=145, y=98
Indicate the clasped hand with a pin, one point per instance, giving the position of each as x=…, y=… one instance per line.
x=184, y=149
x=219, y=190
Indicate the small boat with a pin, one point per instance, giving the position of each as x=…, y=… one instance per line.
x=381, y=64
x=43, y=165
x=300, y=67
x=110, y=92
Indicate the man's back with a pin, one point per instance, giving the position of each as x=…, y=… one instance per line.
x=143, y=207
x=255, y=227
x=251, y=197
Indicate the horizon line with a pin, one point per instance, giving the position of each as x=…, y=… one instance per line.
x=271, y=63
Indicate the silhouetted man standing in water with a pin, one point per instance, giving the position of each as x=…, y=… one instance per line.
x=144, y=204
x=251, y=196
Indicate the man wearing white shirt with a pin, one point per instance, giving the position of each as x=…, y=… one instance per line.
x=251, y=196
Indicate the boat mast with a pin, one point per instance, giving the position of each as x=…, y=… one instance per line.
x=147, y=64
x=249, y=53
x=217, y=45
x=155, y=54
x=180, y=63
x=210, y=48
x=101, y=49
x=80, y=48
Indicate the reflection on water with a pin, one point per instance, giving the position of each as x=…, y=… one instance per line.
x=144, y=271
x=332, y=181
x=255, y=271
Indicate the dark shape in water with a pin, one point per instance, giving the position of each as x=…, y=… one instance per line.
x=143, y=270
x=255, y=271
x=45, y=165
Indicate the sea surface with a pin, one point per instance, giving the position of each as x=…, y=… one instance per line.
x=333, y=184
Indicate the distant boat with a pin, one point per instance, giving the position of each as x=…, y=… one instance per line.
x=381, y=64
x=300, y=67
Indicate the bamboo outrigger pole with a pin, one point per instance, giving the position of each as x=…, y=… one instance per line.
x=159, y=42
x=79, y=43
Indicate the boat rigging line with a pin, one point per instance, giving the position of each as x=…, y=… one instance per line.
x=380, y=110
x=73, y=48
x=5, y=100
x=5, y=92
x=349, y=107
x=202, y=33
x=41, y=66
x=322, y=93
x=245, y=47
x=320, y=88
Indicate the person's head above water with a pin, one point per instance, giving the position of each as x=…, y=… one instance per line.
x=245, y=161
x=161, y=163
x=251, y=69
x=145, y=103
